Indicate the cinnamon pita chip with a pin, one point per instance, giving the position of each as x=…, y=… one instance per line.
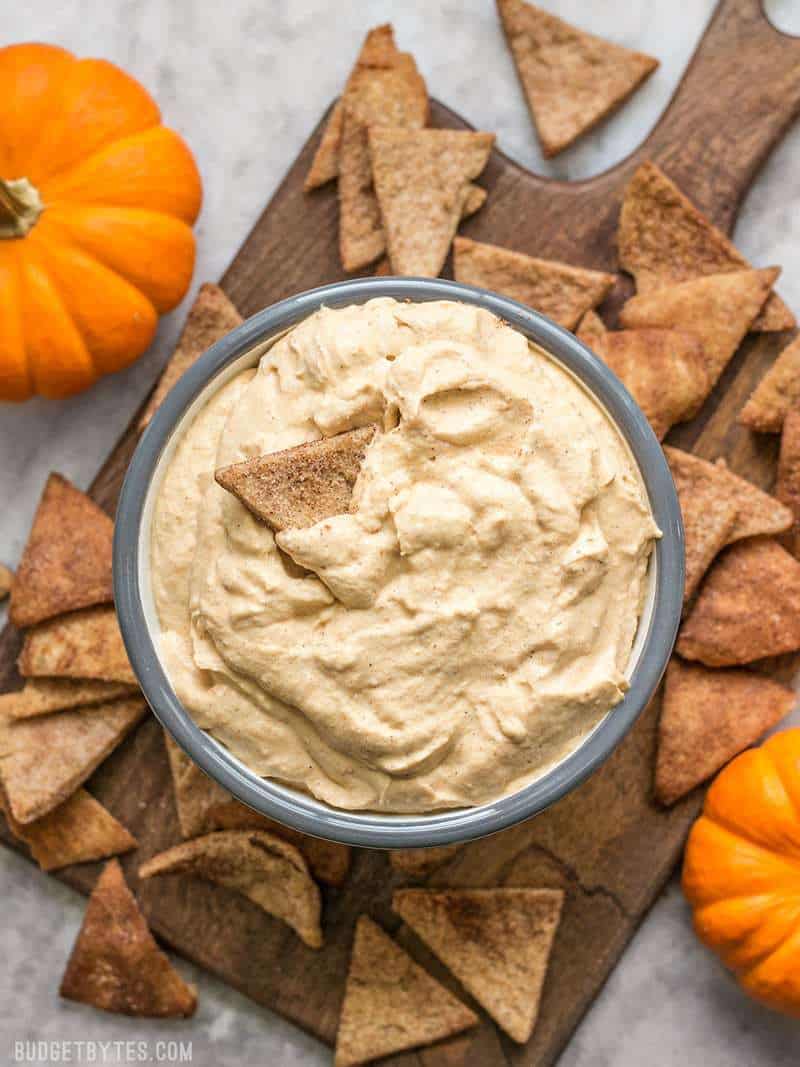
x=473, y=201
x=593, y=333
x=378, y=50
x=203, y=806
x=419, y=862
x=210, y=318
x=384, y=89
x=709, y=516
x=83, y=644
x=44, y=760
x=299, y=486
x=67, y=560
x=42, y=696
x=78, y=831
x=663, y=239
x=361, y=236
x=758, y=513
x=561, y=292
x=116, y=965
x=260, y=866
x=497, y=943
x=572, y=80
x=718, y=309
x=787, y=487
x=748, y=607
x=422, y=179
x=664, y=370
x=776, y=393
x=390, y=1003
x=707, y=718
x=6, y=581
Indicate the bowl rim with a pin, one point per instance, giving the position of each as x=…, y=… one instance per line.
x=372, y=829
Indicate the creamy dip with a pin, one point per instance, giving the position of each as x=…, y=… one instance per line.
x=466, y=624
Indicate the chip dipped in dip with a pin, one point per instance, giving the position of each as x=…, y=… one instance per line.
x=471, y=617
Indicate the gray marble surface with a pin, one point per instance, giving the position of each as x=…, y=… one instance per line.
x=245, y=81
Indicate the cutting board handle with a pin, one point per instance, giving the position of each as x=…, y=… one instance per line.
x=737, y=97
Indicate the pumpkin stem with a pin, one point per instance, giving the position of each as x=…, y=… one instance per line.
x=20, y=207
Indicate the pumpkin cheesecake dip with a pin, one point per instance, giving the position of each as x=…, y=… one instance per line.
x=470, y=617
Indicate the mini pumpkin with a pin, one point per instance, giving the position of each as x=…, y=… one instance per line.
x=741, y=871
x=97, y=201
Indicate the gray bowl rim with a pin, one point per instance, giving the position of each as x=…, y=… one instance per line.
x=287, y=805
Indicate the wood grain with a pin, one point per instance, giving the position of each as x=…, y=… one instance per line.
x=607, y=844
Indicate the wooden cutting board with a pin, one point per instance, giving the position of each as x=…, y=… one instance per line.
x=607, y=844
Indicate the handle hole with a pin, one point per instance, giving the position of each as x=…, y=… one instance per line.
x=784, y=15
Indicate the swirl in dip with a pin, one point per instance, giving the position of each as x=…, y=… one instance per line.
x=466, y=624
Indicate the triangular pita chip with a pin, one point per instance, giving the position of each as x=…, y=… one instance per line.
x=718, y=309
x=325, y=164
x=561, y=292
x=210, y=318
x=44, y=760
x=419, y=862
x=203, y=805
x=260, y=866
x=67, y=560
x=776, y=393
x=758, y=512
x=592, y=332
x=390, y=1003
x=663, y=370
x=496, y=942
x=748, y=607
x=116, y=964
x=83, y=644
x=709, y=516
x=42, y=696
x=384, y=89
x=571, y=79
x=299, y=486
x=787, y=487
x=78, y=831
x=6, y=581
x=473, y=201
x=663, y=239
x=707, y=718
x=422, y=178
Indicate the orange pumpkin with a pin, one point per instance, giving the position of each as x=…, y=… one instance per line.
x=741, y=871
x=97, y=200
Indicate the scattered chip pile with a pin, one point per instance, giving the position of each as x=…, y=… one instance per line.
x=404, y=188
x=572, y=80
